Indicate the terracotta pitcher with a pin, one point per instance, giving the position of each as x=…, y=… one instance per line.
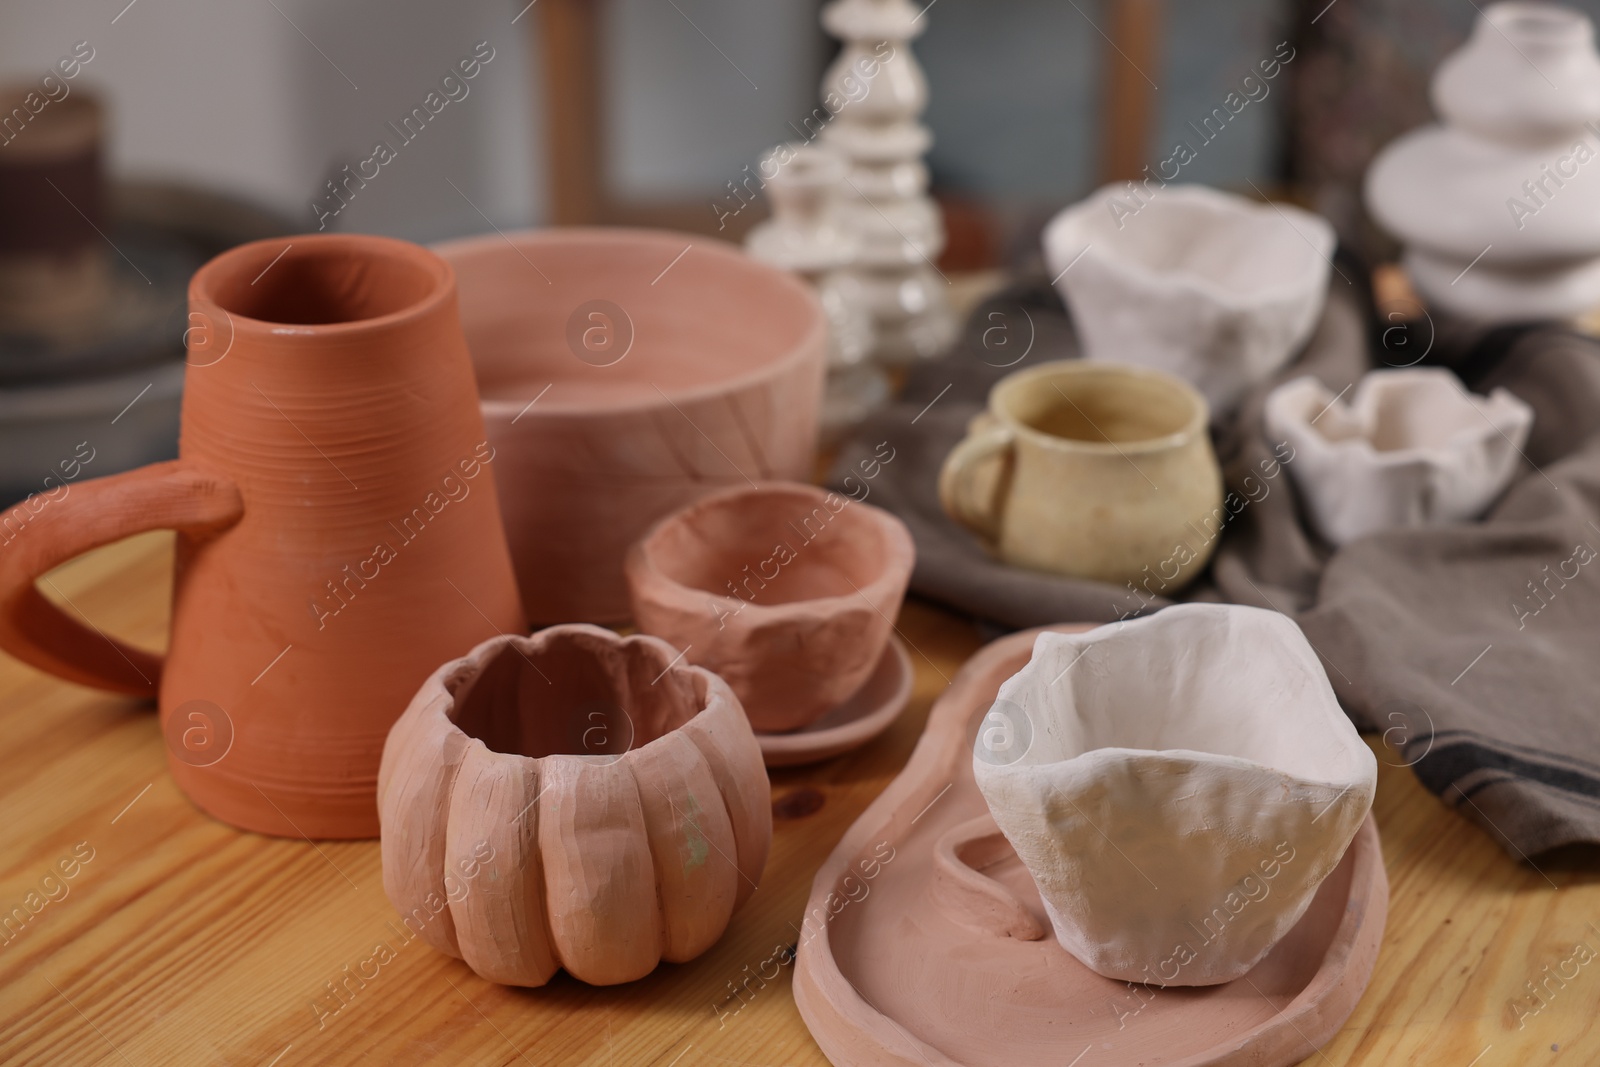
x=338, y=531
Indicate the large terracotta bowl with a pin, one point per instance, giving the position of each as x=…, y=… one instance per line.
x=624, y=374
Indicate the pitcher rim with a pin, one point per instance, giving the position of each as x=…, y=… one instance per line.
x=205, y=282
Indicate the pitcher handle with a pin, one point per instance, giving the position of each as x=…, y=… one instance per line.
x=985, y=443
x=41, y=533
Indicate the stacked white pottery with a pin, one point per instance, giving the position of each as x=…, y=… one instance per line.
x=877, y=128
x=1499, y=206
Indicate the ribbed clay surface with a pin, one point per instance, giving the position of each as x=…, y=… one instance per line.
x=572, y=800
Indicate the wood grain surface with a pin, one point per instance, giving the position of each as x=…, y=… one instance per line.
x=181, y=941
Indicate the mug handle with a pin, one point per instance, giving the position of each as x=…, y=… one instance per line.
x=986, y=442
x=174, y=495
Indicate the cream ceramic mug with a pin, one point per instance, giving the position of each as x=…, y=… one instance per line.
x=1091, y=470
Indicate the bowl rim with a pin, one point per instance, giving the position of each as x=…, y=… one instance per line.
x=642, y=570
x=1195, y=427
x=1261, y=620
x=811, y=345
x=1277, y=415
x=477, y=659
x=1062, y=232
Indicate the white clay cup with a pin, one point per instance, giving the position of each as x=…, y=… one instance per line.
x=1178, y=786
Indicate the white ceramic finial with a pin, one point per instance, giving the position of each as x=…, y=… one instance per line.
x=806, y=235
x=884, y=198
x=1527, y=75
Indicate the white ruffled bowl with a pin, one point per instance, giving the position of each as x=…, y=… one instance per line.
x=1178, y=786
x=1411, y=448
x=1209, y=286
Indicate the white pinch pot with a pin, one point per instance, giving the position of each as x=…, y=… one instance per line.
x=1411, y=448
x=1178, y=786
x=1209, y=286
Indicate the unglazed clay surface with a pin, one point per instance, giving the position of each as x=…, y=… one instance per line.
x=1091, y=470
x=1185, y=779
x=338, y=531
x=572, y=800
x=925, y=941
x=1209, y=286
x=1411, y=448
x=865, y=714
x=787, y=591
x=621, y=382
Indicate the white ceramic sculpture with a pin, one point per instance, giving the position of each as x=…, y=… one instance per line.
x=1177, y=785
x=1410, y=448
x=1212, y=287
x=805, y=235
x=885, y=195
x=1499, y=207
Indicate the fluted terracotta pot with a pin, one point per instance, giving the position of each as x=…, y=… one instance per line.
x=572, y=800
x=338, y=532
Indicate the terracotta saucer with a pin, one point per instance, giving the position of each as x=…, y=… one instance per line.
x=868, y=713
x=925, y=943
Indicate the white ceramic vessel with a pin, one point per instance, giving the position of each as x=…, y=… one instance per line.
x=1499, y=206
x=805, y=235
x=1212, y=287
x=1410, y=448
x=876, y=92
x=1178, y=786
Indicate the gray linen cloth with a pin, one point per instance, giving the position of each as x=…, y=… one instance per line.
x=1474, y=649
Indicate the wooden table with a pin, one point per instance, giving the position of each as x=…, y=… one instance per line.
x=182, y=941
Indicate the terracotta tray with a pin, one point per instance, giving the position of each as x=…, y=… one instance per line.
x=925, y=944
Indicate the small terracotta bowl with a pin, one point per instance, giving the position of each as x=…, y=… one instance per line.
x=572, y=800
x=787, y=591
